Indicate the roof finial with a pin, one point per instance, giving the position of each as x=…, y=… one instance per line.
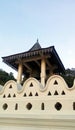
x=37, y=41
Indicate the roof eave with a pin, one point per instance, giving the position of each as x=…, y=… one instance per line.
x=59, y=61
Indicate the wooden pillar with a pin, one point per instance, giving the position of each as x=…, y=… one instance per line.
x=20, y=70
x=43, y=72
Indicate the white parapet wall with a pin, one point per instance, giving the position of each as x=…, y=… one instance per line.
x=32, y=107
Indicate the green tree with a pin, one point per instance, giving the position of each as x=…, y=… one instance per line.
x=69, y=77
x=4, y=77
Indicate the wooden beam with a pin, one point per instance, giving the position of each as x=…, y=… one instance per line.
x=29, y=59
x=35, y=58
x=27, y=66
x=37, y=63
x=49, y=64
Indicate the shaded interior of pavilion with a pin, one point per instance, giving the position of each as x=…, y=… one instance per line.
x=37, y=62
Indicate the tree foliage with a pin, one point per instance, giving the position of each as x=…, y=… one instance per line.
x=69, y=77
x=4, y=77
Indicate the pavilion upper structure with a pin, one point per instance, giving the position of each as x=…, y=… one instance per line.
x=37, y=62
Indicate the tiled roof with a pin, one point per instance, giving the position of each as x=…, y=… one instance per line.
x=36, y=46
x=33, y=55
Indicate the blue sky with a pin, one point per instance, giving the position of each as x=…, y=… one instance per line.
x=51, y=21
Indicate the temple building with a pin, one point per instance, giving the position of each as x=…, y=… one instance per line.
x=44, y=101
x=38, y=62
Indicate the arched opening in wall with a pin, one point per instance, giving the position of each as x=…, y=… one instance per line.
x=56, y=93
x=29, y=106
x=55, y=82
x=63, y=93
x=49, y=93
x=5, y=106
x=42, y=106
x=36, y=94
x=73, y=105
x=24, y=95
x=14, y=95
x=10, y=86
x=30, y=94
x=9, y=95
x=31, y=85
x=58, y=106
x=4, y=96
x=16, y=106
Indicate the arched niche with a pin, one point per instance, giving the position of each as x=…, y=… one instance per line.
x=9, y=89
x=31, y=87
x=56, y=85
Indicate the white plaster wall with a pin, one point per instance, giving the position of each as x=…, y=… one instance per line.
x=22, y=128
x=40, y=124
x=21, y=118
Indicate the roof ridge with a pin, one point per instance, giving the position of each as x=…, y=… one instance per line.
x=36, y=46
